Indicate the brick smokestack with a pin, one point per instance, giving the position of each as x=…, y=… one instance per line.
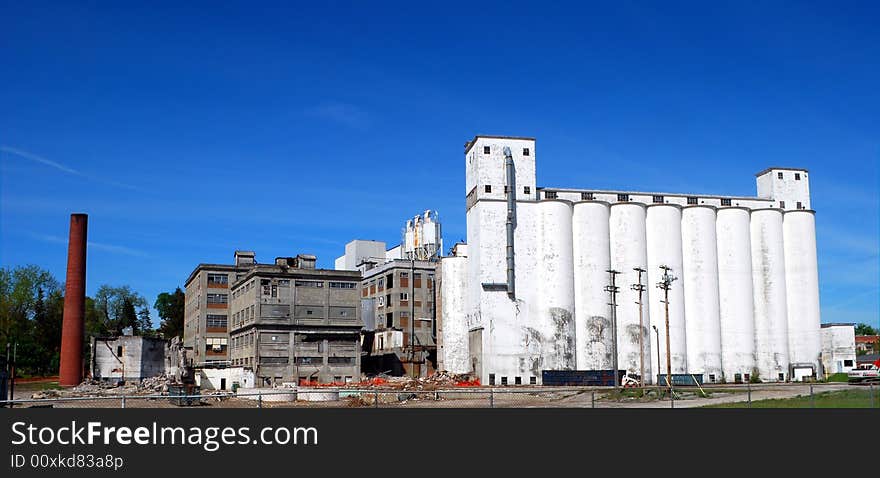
x=72, y=328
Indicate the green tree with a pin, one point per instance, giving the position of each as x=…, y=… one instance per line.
x=115, y=309
x=171, y=309
x=27, y=310
x=865, y=329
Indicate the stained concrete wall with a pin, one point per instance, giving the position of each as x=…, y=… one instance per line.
x=130, y=358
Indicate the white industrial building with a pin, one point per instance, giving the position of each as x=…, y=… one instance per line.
x=838, y=348
x=533, y=277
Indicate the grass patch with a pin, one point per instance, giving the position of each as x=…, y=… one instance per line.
x=838, y=377
x=36, y=386
x=838, y=399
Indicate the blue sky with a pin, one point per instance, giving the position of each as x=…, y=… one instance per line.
x=189, y=131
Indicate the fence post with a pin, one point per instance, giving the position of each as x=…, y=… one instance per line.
x=123, y=401
x=750, y=394
x=812, y=401
x=872, y=394
x=376, y=399
x=593, y=399
x=260, y=400
x=491, y=398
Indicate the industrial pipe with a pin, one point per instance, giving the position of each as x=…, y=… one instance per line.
x=511, y=220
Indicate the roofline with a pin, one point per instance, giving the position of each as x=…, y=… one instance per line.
x=784, y=168
x=273, y=270
x=225, y=267
x=470, y=144
x=649, y=193
x=838, y=324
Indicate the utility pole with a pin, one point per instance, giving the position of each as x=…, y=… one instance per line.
x=640, y=288
x=657, y=333
x=613, y=290
x=665, y=284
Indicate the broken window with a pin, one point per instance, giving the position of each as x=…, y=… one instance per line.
x=782, y=204
x=488, y=188
x=623, y=197
x=725, y=202
x=487, y=150
x=692, y=200
x=525, y=151
x=306, y=360
x=781, y=376
x=797, y=176
x=503, y=380
x=517, y=381
x=533, y=380
x=779, y=175
x=340, y=360
x=222, y=279
x=274, y=290
x=586, y=196
x=527, y=190
x=491, y=379
x=550, y=195
x=658, y=199
x=800, y=205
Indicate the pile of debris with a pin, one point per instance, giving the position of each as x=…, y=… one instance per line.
x=157, y=384
x=437, y=381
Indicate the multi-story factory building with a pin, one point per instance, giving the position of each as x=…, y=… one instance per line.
x=744, y=301
x=398, y=303
x=206, y=313
x=291, y=322
x=398, y=298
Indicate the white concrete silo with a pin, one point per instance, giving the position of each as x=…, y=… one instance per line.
x=663, y=234
x=591, y=251
x=701, y=302
x=802, y=290
x=768, y=280
x=628, y=251
x=453, y=350
x=735, y=292
x=554, y=320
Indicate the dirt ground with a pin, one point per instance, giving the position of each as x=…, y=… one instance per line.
x=510, y=397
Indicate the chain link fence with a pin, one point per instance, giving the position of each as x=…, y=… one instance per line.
x=724, y=396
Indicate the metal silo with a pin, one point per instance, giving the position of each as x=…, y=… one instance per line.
x=802, y=290
x=591, y=261
x=736, y=292
x=628, y=251
x=555, y=314
x=701, y=302
x=663, y=234
x=768, y=280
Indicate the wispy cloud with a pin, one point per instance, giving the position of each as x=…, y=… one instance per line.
x=39, y=159
x=111, y=248
x=343, y=113
x=63, y=168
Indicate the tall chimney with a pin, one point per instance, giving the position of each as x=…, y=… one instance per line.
x=74, y=303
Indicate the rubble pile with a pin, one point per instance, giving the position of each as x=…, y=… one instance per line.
x=437, y=381
x=157, y=384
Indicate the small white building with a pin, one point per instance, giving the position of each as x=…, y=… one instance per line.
x=838, y=348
